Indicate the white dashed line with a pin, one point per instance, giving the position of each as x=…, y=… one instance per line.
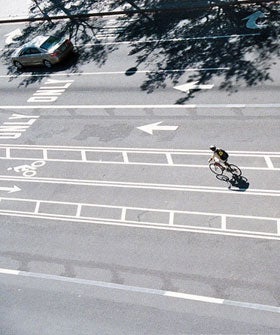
x=143, y=290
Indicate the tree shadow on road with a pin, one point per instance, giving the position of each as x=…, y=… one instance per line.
x=168, y=42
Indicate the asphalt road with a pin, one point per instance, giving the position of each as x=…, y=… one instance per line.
x=108, y=229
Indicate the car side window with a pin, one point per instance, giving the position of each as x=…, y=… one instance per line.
x=30, y=51
x=34, y=51
x=25, y=52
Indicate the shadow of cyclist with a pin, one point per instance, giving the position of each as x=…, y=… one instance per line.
x=240, y=182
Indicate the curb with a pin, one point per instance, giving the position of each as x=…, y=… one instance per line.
x=169, y=8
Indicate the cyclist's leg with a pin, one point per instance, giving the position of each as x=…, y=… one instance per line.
x=226, y=164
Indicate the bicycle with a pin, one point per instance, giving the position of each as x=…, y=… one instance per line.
x=219, y=169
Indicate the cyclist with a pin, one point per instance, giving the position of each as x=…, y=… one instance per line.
x=219, y=155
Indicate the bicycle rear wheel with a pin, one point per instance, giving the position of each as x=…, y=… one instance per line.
x=235, y=170
x=215, y=168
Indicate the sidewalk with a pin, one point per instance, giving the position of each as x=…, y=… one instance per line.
x=19, y=9
x=14, y=9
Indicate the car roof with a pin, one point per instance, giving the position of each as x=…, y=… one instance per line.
x=35, y=42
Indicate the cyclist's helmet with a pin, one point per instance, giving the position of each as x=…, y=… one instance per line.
x=213, y=147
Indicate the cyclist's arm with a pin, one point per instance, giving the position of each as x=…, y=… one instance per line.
x=211, y=158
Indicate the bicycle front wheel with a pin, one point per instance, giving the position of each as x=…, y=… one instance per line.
x=235, y=170
x=215, y=168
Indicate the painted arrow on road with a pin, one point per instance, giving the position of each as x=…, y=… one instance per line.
x=13, y=34
x=10, y=189
x=192, y=86
x=251, y=23
x=150, y=128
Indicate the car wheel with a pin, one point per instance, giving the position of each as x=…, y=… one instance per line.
x=18, y=65
x=47, y=63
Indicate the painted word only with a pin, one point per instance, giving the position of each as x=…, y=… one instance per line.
x=16, y=125
x=51, y=90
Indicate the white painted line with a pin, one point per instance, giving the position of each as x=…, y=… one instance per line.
x=36, y=210
x=8, y=152
x=224, y=222
x=125, y=157
x=143, y=209
x=79, y=209
x=143, y=290
x=84, y=155
x=171, y=218
x=269, y=162
x=45, y=154
x=140, y=150
x=278, y=227
x=136, y=163
x=151, y=186
x=171, y=40
x=190, y=106
x=148, y=225
x=104, y=73
x=123, y=215
x=169, y=158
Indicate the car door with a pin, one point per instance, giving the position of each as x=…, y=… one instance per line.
x=31, y=56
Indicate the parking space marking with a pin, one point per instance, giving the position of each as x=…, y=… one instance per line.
x=81, y=211
x=142, y=290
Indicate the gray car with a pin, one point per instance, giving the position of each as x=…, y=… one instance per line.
x=42, y=50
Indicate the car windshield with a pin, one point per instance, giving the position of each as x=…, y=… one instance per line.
x=50, y=42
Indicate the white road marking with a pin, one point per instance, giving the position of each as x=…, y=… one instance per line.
x=269, y=162
x=125, y=157
x=120, y=219
x=278, y=226
x=43, y=152
x=171, y=40
x=70, y=74
x=148, y=209
x=168, y=164
x=123, y=214
x=139, y=150
x=143, y=290
x=147, y=225
x=10, y=189
x=192, y=86
x=83, y=155
x=13, y=34
x=79, y=209
x=169, y=158
x=149, y=186
x=171, y=218
x=252, y=20
x=36, y=210
x=150, y=128
x=189, y=106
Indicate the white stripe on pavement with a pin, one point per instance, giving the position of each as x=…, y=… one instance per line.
x=149, y=186
x=171, y=40
x=140, y=150
x=147, y=225
x=111, y=72
x=143, y=290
